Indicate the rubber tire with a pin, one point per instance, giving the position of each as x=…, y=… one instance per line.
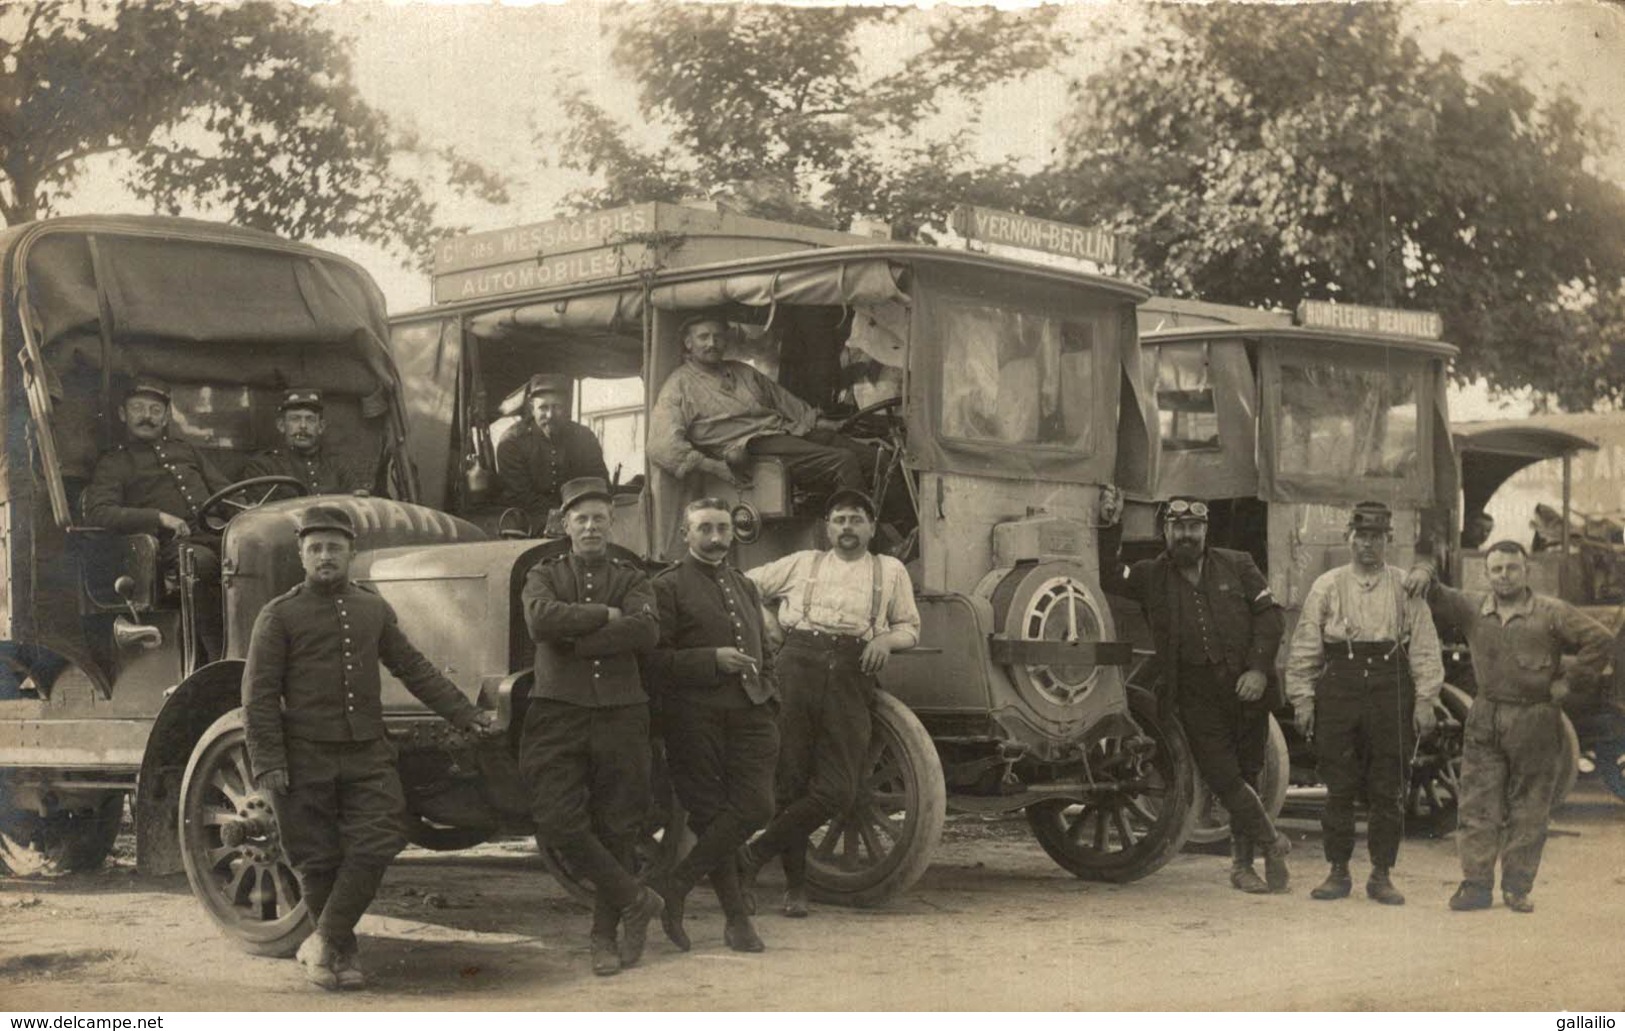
x=32, y=845
x=1568, y=760
x=903, y=766
x=1210, y=822
x=220, y=757
x=1052, y=822
x=438, y=838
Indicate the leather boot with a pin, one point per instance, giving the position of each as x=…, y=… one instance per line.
x=1276, y=874
x=675, y=892
x=1242, y=875
x=635, y=925
x=748, y=865
x=1380, y=888
x=316, y=958
x=1337, y=884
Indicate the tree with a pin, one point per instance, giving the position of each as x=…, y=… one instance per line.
x=247, y=107
x=1263, y=154
x=752, y=94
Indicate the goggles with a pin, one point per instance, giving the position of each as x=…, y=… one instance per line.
x=1183, y=509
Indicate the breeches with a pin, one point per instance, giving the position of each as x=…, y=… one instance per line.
x=721, y=761
x=587, y=770
x=1228, y=739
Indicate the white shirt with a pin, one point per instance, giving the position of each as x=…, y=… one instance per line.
x=843, y=597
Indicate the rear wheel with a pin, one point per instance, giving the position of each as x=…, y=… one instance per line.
x=231, y=848
x=1210, y=820
x=71, y=841
x=881, y=846
x=1435, y=791
x=1132, y=830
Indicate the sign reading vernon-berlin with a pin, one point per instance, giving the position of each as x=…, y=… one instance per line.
x=1426, y=325
x=1040, y=234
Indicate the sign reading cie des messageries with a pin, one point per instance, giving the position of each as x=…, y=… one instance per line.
x=542, y=254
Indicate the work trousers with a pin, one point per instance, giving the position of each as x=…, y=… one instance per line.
x=588, y=774
x=822, y=460
x=825, y=728
x=721, y=763
x=1508, y=775
x=1228, y=739
x=341, y=823
x=1364, y=707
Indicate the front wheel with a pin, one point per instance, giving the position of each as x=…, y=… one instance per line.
x=881, y=846
x=231, y=849
x=1210, y=820
x=1134, y=828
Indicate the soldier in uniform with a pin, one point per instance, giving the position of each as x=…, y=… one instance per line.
x=316, y=739
x=546, y=450
x=1217, y=628
x=843, y=612
x=1514, y=734
x=585, y=747
x=302, y=424
x=155, y=485
x=718, y=715
x=1362, y=673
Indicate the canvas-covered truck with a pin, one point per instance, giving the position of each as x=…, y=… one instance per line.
x=1004, y=402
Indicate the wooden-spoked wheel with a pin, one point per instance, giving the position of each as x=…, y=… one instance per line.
x=880, y=847
x=1210, y=820
x=1131, y=830
x=1435, y=790
x=231, y=849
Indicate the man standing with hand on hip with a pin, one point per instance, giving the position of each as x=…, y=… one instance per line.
x=1514, y=734
x=844, y=611
x=316, y=740
x=718, y=715
x=1362, y=673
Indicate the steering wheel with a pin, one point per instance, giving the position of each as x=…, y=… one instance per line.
x=846, y=424
x=228, y=504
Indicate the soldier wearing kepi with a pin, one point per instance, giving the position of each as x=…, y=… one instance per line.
x=585, y=748
x=1363, y=672
x=718, y=715
x=546, y=450
x=1514, y=734
x=1217, y=628
x=843, y=611
x=156, y=485
x=316, y=738
x=302, y=422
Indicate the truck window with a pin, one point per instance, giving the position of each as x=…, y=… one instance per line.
x=1348, y=421
x=1016, y=377
x=613, y=410
x=1185, y=409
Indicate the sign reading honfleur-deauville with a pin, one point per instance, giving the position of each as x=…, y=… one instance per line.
x=1426, y=325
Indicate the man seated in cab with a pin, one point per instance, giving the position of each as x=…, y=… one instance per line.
x=545, y=451
x=301, y=423
x=714, y=415
x=152, y=484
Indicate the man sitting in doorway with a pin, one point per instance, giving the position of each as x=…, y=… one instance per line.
x=714, y=415
x=546, y=450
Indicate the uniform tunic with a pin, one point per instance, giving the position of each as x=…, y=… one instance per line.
x=135, y=482
x=1366, y=655
x=318, y=471
x=1514, y=731
x=534, y=466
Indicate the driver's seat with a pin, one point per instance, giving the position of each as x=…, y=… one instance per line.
x=769, y=490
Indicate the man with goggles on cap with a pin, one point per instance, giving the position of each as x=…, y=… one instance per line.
x=301, y=422
x=1216, y=628
x=1362, y=673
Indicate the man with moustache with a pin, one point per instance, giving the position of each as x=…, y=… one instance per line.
x=843, y=612
x=714, y=415
x=584, y=751
x=546, y=450
x=155, y=485
x=1216, y=628
x=302, y=424
x=316, y=738
x=1363, y=673
x=1514, y=733
x=718, y=715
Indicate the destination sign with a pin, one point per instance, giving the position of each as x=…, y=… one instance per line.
x=533, y=274
x=527, y=242
x=1426, y=325
x=990, y=225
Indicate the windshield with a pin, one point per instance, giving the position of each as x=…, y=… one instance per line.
x=1347, y=421
x=1018, y=377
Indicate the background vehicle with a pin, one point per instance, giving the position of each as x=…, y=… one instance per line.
x=1285, y=421
x=1005, y=401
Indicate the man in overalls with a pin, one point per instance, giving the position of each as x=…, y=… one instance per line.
x=1363, y=673
x=843, y=612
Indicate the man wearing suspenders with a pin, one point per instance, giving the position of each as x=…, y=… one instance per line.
x=1362, y=674
x=843, y=612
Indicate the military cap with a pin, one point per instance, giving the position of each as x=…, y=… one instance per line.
x=147, y=385
x=581, y=489
x=1185, y=508
x=1371, y=515
x=305, y=397
x=545, y=383
x=695, y=319
x=326, y=517
x=847, y=497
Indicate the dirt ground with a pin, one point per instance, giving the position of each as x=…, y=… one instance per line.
x=993, y=925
